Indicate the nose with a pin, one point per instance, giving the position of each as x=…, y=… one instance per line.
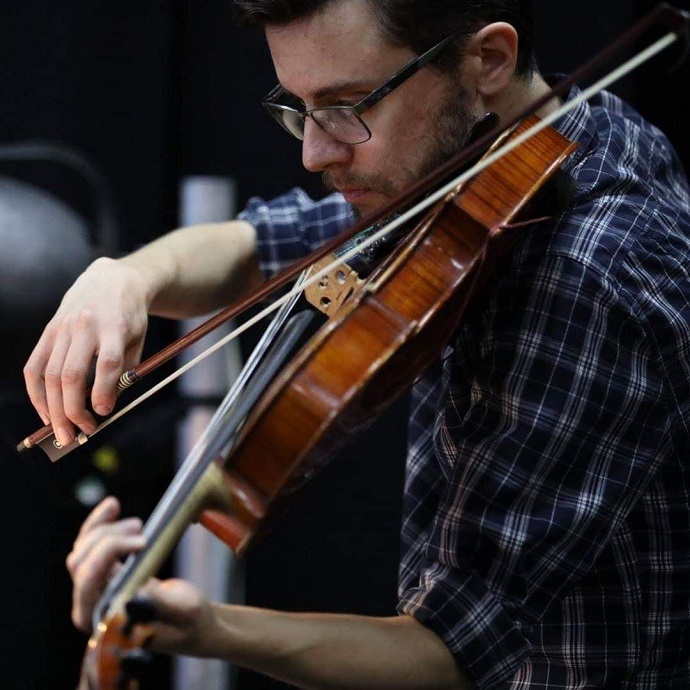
x=320, y=150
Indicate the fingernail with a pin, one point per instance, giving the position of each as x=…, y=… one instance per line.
x=45, y=419
x=63, y=436
x=103, y=410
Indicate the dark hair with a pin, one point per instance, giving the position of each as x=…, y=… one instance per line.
x=417, y=24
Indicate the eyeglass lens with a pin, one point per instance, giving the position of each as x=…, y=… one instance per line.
x=291, y=120
x=342, y=123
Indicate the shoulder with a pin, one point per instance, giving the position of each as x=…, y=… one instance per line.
x=296, y=208
x=291, y=226
x=630, y=211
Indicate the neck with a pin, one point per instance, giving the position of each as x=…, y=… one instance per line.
x=523, y=93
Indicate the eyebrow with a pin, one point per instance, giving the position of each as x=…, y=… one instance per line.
x=353, y=86
x=335, y=89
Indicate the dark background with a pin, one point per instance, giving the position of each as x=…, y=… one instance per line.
x=151, y=92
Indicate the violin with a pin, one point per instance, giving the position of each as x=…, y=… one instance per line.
x=301, y=407
x=305, y=393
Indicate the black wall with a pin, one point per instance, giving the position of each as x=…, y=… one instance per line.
x=151, y=92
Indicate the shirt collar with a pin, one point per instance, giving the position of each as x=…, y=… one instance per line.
x=578, y=125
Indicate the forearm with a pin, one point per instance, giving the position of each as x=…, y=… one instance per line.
x=193, y=270
x=329, y=652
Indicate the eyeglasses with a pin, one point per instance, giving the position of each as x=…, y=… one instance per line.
x=344, y=122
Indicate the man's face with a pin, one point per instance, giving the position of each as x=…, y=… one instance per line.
x=337, y=57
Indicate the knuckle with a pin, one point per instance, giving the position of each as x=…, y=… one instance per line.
x=79, y=578
x=51, y=329
x=31, y=371
x=111, y=362
x=124, y=323
x=71, y=376
x=53, y=378
x=75, y=409
x=67, y=324
x=75, y=414
x=133, y=326
x=103, y=554
x=84, y=320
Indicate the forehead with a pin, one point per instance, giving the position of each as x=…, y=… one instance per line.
x=338, y=45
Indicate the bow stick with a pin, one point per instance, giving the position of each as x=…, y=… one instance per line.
x=677, y=22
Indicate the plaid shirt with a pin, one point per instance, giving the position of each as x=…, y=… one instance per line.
x=546, y=521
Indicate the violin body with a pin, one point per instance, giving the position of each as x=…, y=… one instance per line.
x=386, y=336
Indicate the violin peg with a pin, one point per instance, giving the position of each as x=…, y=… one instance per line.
x=140, y=609
x=137, y=664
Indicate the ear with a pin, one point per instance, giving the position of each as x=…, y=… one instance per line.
x=493, y=56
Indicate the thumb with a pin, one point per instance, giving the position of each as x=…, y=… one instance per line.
x=177, y=602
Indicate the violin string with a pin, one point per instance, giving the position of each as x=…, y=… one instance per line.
x=490, y=159
x=279, y=351
x=293, y=294
x=227, y=417
x=219, y=417
x=287, y=300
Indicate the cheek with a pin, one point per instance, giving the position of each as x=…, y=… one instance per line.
x=405, y=127
x=400, y=135
x=405, y=121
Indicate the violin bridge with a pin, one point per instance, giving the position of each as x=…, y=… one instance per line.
x=334, y=288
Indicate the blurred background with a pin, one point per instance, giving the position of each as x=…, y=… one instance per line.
x=107, y=111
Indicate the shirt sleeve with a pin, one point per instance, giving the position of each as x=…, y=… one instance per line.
x=550, y=431
x=291, y=226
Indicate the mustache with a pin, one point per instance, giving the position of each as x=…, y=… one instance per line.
x=356, y=180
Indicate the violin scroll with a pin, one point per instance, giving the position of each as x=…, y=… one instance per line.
x=116, y=655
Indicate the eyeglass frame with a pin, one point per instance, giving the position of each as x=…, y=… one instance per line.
x=411, y=68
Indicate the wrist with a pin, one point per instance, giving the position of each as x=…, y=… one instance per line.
x=149, y=276
x=214, y=635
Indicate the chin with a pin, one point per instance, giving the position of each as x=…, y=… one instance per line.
x=363, y=210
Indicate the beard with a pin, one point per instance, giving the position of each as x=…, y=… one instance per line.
x=447, y=135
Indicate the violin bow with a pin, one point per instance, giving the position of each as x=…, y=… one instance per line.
x=678, y=23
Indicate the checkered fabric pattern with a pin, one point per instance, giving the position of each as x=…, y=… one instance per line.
x=546, y=522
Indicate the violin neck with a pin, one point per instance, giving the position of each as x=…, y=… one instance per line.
x=202, y=484
x=209, y=490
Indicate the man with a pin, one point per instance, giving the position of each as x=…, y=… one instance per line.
x=546, y=526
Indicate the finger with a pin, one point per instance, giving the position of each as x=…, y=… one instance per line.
x=179, y=610
x=110, y=364
x=86, y=543
x=91, y=576
x=106, y=511
x=63, y=427
x=124, y=532
x=75, y=373
x=34, y=370
x=133, y=353
x=176, y=601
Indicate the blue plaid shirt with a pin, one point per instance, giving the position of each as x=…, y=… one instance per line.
x=546, y=522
